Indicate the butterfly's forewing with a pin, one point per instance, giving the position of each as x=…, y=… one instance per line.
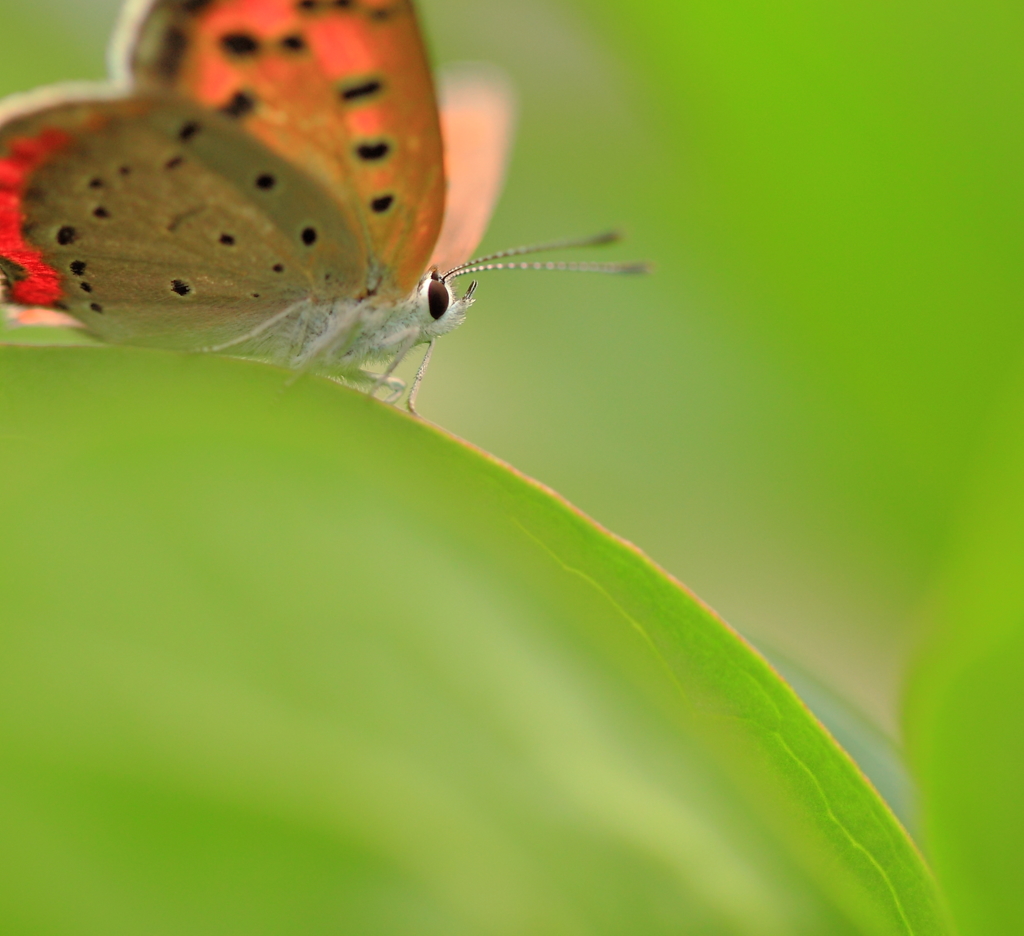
x=478, y=122
x=156, y=222
x=340, y=88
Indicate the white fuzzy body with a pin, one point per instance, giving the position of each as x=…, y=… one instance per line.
x=340, y=337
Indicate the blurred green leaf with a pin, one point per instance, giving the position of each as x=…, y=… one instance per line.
x=965, y=717
x=43, y=335
x=876, y=754
x=279, y=659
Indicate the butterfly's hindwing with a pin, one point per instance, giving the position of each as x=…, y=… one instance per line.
x=478, y=115
x=155, y=222
x=342, y=89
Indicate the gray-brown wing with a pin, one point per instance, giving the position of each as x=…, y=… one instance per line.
x=155, y=222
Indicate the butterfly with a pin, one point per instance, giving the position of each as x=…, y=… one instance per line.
x=267, y=178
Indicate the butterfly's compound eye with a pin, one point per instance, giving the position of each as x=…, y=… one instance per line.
x=438, y=299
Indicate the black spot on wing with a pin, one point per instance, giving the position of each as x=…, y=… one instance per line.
x=240, y=105
x=294, y=43
x=67, y=235
x=227, y=240
x=101, y=212
x=86, y=287
x=362, y=90
x=188, y=131
x=309, y=236
x=372, y=152
x=266, y=181
x=96, y=307
x=96, y=183
x=78, y=267
x=180, y=287
x=382, y=203
x=240, y=44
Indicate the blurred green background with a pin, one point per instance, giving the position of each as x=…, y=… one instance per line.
x=785, y=415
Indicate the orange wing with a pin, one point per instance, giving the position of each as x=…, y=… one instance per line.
x=478, y=122
x=340, y=88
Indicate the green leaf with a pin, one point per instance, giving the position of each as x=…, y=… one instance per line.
x=877, y=755
x=965, y=717
x=278, y=659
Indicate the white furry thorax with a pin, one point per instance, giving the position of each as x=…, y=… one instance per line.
x=337, y=337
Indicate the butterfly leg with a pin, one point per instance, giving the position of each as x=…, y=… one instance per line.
x=420, y=374
x=394, y=384
x=408, y=341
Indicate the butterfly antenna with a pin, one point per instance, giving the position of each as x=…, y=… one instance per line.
x=608, y=237
x=613, y=268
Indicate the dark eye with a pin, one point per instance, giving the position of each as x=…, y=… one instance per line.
x=438, y=299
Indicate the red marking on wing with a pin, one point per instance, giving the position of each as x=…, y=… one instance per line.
x=262, y=17
x=266, y=20
x=217, y=81
x=345, y=46
x=42, y=284
x=368, y=122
